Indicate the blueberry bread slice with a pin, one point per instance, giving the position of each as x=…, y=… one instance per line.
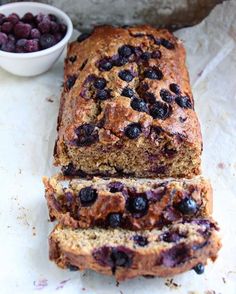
x=127, y=108
x=134, y=204
x=127, y=254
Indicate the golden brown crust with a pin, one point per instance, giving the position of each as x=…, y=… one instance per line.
x=157, y=258
x=163, y=201
x=181, y=130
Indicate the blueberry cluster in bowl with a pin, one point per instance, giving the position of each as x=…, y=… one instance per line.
x=30, y=33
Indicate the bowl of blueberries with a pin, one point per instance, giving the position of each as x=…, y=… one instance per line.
x=32, y=37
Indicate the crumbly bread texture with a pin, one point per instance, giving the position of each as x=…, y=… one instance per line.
x=127, y=107
x=135, y=204
x=128, y=254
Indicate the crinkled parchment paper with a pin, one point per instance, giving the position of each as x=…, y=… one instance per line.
x=28, y=113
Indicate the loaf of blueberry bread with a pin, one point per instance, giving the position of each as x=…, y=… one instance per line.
x=127, y=254
x=127, y=108
x=134, y=204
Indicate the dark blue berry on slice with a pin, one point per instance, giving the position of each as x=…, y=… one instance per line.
x=140, y=240
x=149, y=97
x=175, y=88
x=167, y=44
x=125, y=51
x=127, y=92
x=105, y=64
x=120, y=258
x=115, y=187
x=47, y=41
x=187, y=206
x=114, y=220
x=126, y=75
x=139, y=104
x=137, y=204
x=184, y=102
x=160, y=110
x=145, y=56
x=166, y=96
x=100, y=83
x=156, y=54
x=86, y=134
x=103, y=94
x=199, y=268
x=83, y=37
x=153, y=73
x=70, y=82
x=120, y=61
x=133, y=130
x=87, y=196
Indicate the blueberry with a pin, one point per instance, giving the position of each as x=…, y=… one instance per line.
x=149, y=97
x=127, y=92
x=103, y=94
x=126, y=75
x=31, y=45
x=156, y=54
x=86, y=134
x=35, y=34
x=145, y=56
x=167, y=44
x=184, y=101
x=160, y=110
x=175, y=88
x=199, y=268
x=170, y=237
x=115, y=187
x=72, y=58
x=83, y=37
x=9, y=46
x=100, y=83
x=166, y=96
x=133, y=130
x=52, y=17
x=7, y=27
x=140, y=240
x=28, y=17
x=22, y=30
x=114, y=220
x=187, y=206
x=120, y=61
x=47, y=41
x=2, y=18
x=63, y=28
x=39, y=17
x=138, y=104
x=13, y=18
x=58, y=37
x=3, y=38
x=44, y=26
x=70, y=82
x=125, y=51
x=105, y=64
x=54, y=27
x=137, y=204
x=120, y=258
x=20, y=44
x=153, y=74
x=87, y=195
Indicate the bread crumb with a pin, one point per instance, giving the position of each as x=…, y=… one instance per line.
x=171, y=284
x=49, y=99
x=221, y=165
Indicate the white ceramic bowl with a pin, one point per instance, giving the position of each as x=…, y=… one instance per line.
x=31, y=64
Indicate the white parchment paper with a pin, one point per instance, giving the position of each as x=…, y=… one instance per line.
x=28, y=113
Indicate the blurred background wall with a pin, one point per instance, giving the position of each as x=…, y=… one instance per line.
x=161, y=13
